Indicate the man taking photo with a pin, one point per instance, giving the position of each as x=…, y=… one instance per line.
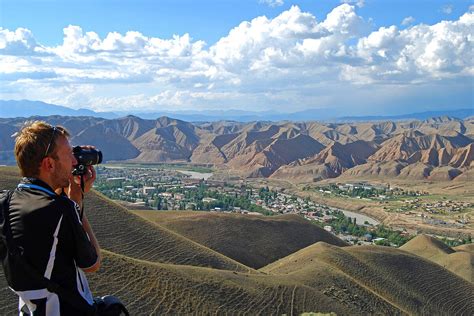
x=46, y=241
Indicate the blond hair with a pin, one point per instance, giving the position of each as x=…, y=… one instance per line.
x=35, y=141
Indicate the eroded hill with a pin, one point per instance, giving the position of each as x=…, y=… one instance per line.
x=435, y=149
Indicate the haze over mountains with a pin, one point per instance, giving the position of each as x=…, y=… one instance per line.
x=27, y=108
x=440, y=148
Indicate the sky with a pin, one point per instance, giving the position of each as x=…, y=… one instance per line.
x=350, y=57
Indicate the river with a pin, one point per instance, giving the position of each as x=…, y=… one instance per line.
x=360, y=218
x=196, y=175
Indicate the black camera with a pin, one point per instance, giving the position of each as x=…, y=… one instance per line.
x=85, y=157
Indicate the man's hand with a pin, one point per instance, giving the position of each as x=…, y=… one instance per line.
x=75, y=191
x=89, y=178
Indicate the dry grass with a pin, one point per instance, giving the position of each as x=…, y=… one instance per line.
x=122, y=232
x=254, y=241
x=154, y=288
x=406, y=282
x=427, y=247
x=457, y=260
x=466, y=247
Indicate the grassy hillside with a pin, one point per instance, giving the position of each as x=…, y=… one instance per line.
x=255, y=241
x=466, y=247
x=331, y=280
x=171, y=289
x=9, y=177
x=154, y=288
x=458, y=260
x=406, y=282
x=427, y=247
x=124, y=233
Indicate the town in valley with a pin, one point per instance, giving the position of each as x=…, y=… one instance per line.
x=182, y=187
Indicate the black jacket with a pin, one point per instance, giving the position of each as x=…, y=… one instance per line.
x=48, y=230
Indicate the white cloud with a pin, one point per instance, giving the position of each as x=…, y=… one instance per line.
x=408, y=20
x=359, y=3
x=292, y=58
x=447, y=9
x=272, y=3
x=19, y=42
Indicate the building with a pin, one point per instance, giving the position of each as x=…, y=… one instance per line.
x=327, y=218
x=328, y=228
x=148, y=190
x=179, y=196
x=166, y=195
x=191, y=181
x=115, y=181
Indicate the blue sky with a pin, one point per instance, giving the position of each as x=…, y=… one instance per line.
x=351, y=57
x=205, y=20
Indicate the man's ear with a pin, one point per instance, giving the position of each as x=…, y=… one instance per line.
x=48, y=164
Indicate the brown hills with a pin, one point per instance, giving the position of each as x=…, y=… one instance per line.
x=157, y=271
x=255, y=241
x=440, y=148
x=457, y=260
x=466, y=247
x=427, y=247
x=369, y=268
x=332, y=161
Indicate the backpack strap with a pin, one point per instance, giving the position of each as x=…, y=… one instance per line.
x=5, y=197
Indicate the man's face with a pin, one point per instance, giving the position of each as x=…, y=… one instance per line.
x=64, y=164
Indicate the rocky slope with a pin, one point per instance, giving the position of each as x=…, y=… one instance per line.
x=440, y=148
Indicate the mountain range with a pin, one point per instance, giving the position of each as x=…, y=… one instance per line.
x=439, y=148
x=27, y=108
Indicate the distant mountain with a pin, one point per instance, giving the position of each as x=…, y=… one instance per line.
x=242, y=116
x=327, y=115
x=440, y=148
x=460, y=114
x=25, y=108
